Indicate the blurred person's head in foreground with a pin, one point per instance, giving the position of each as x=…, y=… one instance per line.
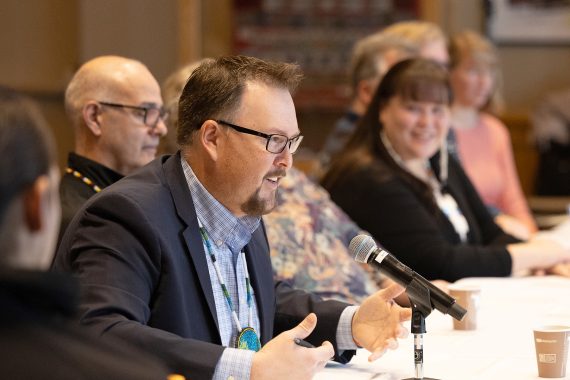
x=29, y=179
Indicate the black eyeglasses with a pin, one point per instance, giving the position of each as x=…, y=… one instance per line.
x=275, y=143
x=151, y=113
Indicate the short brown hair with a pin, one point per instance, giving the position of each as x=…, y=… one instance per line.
x=215, y=88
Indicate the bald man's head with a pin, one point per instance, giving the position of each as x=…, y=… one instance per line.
x=113, y=104
x=98, y=78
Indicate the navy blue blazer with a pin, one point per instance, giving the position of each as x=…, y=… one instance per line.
x=137, y=252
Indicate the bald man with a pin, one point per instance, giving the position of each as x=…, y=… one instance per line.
x=115, y=107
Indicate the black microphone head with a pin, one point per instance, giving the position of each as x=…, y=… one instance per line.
x=457, y=311
x=362, y=246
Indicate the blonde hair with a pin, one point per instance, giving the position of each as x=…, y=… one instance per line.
x=171, y=90
x=471, y=45
x=419, y=33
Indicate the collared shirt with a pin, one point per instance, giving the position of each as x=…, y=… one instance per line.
x=229, y=236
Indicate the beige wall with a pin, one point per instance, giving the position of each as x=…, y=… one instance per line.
x=217, y=27
x=44, y=41
x=141, y=29
x=38, y=41
x=531, y=72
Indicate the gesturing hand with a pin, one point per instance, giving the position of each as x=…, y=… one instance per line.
x=561, y=269
x=281, y=358
x=378, y=322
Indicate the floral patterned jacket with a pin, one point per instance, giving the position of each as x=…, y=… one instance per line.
x=309, y=237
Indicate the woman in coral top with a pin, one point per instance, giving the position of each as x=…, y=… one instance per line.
x=483, y=142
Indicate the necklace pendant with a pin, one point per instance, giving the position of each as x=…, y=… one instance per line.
x=247, y=339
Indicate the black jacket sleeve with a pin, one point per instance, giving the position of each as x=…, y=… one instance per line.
x=293, y=305
x=385, y=206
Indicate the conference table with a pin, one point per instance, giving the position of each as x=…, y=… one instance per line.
x=502, y=346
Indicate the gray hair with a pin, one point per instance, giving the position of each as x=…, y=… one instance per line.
x=368, y=56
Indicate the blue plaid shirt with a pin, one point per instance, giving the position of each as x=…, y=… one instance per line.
x=229, y=235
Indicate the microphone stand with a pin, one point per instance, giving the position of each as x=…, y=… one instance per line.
x=420, y=299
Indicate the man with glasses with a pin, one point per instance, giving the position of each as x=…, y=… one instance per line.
x=175, y=258
x=115, y=108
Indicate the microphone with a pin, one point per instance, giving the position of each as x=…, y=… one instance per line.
x=365, y=250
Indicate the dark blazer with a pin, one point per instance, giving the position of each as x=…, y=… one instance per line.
x=138, y=254
x=380, y=202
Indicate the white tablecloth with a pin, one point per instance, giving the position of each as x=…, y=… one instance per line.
x=501, y=348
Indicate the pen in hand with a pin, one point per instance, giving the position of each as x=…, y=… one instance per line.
x=303, y=343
